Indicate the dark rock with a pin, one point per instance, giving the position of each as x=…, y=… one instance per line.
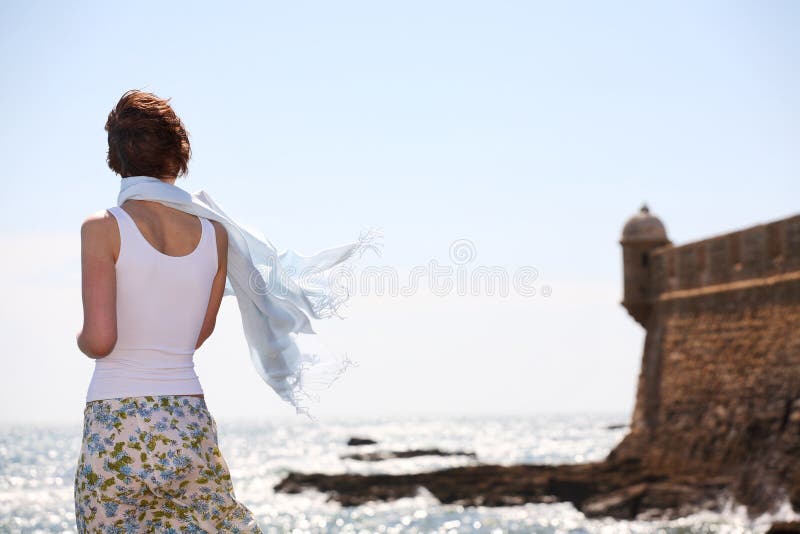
x=599, y=489
x=388, y=455
x=792, y=527
x=352, y=490
x=360, y=441
x=657, y=500
x=618, y=426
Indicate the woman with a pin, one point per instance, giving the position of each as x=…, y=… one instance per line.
x=153, y=279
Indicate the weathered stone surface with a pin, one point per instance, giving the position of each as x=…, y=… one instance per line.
x=388, y=455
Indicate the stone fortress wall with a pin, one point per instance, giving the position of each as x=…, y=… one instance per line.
x=719, y=386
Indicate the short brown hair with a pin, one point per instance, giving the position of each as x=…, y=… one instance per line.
x=146, y=137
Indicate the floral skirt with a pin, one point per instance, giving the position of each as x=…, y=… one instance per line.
x=152, y=464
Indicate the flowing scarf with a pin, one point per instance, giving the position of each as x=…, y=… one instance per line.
x=278, y=293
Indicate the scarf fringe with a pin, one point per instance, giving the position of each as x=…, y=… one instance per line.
x=326, y=302
x=301, y=390
x=325, y=299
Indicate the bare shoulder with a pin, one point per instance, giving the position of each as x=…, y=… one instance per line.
x=99, y=236
x=100, y=223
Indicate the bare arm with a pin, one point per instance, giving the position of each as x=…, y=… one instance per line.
x=217, y=286
x=99, y=239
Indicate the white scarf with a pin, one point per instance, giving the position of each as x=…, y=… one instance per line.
x=277, y=293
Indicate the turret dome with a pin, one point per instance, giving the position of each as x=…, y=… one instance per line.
x=644, y=227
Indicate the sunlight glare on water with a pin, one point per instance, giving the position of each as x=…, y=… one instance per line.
x=37, y=467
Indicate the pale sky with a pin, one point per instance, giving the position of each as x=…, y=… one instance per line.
x=533, y=130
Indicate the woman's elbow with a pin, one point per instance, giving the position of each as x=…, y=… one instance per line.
x=97, y=347
x=103, y=350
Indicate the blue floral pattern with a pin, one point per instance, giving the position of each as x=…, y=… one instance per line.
x=152, y=464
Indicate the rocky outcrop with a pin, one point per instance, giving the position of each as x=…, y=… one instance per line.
x=784, y=527
x=620, y=490
x=411, y=453
x=355, y=441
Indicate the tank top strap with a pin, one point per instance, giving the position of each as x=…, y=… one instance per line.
x=207, y=228
x=122, y=216
x=209, y=240
x=128, y=234
x=125, y=219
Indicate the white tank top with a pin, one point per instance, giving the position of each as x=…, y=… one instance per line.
x=161, y=304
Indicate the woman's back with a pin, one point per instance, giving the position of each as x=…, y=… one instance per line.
x=162, y=300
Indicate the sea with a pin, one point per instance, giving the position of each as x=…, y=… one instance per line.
x=37, y=464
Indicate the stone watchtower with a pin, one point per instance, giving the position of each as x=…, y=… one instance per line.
x=641, y=234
